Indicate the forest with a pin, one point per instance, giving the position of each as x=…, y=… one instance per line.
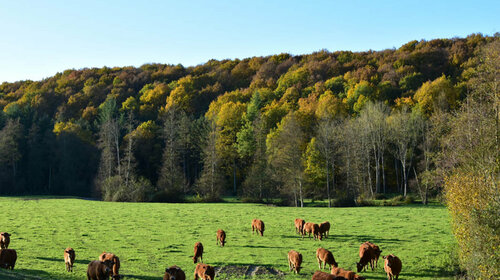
x=421, y=121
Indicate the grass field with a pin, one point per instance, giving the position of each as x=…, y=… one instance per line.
x=149, y=237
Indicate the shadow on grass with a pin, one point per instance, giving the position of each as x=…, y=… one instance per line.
x=345, y=237
x=258, y=246
x=61, y=260
x=127, y=276
x=30, y=274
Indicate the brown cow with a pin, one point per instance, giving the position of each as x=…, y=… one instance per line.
x=116, y=263
x=347, y=274
x=258, y=225
x=221, y=237
x=324, y=229
x=311, y=228
x=320, y=275
x=366, y=256
x=376, y=252
x=299, y=226
x=4, y=240
x=326, y=257
x=99, y=270
x=69, y=258
x=198, y=252
x=204, y=272
x=8, y=258
x=174, y=273
x=392, y=266
x=294, y=261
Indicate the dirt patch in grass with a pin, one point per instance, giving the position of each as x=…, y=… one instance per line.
x=247, y=271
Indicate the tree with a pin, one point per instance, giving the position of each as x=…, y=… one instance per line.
x=10, y=150
x=285, y=146
x=403, y=127
x=171, y=178
x=210, y=182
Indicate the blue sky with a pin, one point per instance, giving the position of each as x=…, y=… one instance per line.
x=41, y=38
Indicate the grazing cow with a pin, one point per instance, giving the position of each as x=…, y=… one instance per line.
x=4, y=240
x=99, y=270
x=204, y=272
x=198, y=252
x=174, y=273
x=326, y=257
x=392, y=266
x=324, y=229
x=8, y=258
x=258, y=225
x=116, y=263
x=376, y=252
x=299, y=226
x=221, y=237
x=347, y=274
x=311, y=228
x=69, y=258
x=320, y=275
x=294, y=261
x=366, y=256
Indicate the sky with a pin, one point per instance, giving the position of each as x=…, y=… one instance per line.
x=41, y=38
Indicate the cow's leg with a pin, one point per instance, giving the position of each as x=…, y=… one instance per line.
x=195, y=276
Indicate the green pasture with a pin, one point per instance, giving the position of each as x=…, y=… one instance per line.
x=150, y=236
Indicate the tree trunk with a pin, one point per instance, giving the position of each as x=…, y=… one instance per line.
x=403, y=164
x=234, y=176
x=383, y=171
x=300, y=194
x=328, y=185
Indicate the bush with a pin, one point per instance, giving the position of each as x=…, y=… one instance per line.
x=137, y=190
x=362, y=201
x=344, y=202
x=380, y=196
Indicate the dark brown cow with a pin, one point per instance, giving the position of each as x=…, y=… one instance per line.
x=299, y=226
x=4, y=240
x=326, y=257
x=324, y=229
x=69, y=258
x=258, y=225
x=392, y=266
x=366, y=256
x=311, y=228
x=8, y=258
x=198, y=252
x=294, y=261
x=221, y=237
x=174, y=273
x=116, y=263
x=347, y=274
x=376, y=252
x=204, y=272
x=320, y=275
x=99, y=270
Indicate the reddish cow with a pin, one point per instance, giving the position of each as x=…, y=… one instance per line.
x=116, y=263
x=99, y=270
x=198, y=252
x=258, y=225
x=311, y=228
x=376, y=252
x=294, y=261
x=299, y=226
x=221, y=237
x=8, y=258
x=392, y=266
x=324, y=229
x=69, y=258
x=349, y=275
x=326, y=257
x=204, y=272
x=4, y=240
x=366, y=256
x=320, y=275
x=174, y=273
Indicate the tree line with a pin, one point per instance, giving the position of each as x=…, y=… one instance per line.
x=341, y=126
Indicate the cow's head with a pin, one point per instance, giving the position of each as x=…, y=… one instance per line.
x=389, y=260
x=172, y=272
x=195, y=259
x=359, y=266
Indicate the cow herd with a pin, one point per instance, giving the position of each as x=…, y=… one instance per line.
x=108, y=264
